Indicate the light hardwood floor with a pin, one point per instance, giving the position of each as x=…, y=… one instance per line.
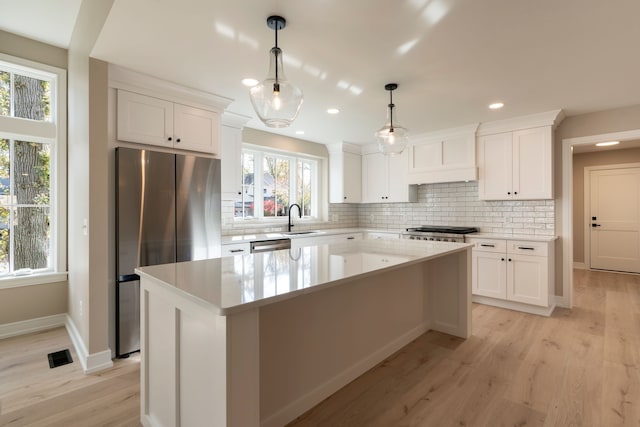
x=576, y=368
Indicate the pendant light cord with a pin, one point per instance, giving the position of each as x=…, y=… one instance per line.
x=277, y=50
x=391, y=111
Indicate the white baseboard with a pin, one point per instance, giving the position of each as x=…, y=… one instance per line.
x=512, y=305
x=32, y=325
x=561, y=301
x=91, y=363
x=309, y=400
x=580, y=266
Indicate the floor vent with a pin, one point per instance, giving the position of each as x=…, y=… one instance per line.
x=59, y=358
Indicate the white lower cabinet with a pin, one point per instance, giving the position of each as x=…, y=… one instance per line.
x=514, y=274
x=299, y=242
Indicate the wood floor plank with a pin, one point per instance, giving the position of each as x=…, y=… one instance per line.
x=580, y=367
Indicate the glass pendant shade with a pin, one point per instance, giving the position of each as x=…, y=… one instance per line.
x=392, y=138
x=276, y=100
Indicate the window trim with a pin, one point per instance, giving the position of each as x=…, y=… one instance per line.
x=54, y=132
x=260, y=151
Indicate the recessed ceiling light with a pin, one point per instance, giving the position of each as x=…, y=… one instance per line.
x=605, y=144
x=496, y=105
x=299, y=132
x=333, y=111
x=250, y=82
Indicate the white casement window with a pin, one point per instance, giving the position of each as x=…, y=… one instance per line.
x=273, y=181
x=32, y=163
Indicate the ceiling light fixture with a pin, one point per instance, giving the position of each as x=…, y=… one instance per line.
x=392, y=138
x=606, y=144
x=496, y=105
x=276, y=101
x=248, y=82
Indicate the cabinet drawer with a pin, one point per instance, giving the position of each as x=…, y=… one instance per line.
x=528, y=248
x=488, y=245
x=236, y=249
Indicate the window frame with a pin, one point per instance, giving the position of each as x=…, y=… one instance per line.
x=259, y=152
x=53, y=132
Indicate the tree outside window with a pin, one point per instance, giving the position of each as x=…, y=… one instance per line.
x=25, y=177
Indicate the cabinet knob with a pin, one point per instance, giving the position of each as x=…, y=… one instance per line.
x=515, y=192
x=239, y=192
x=177, y=139
x=345, y=197
x=501, y=259
x=509, y=193
x=169, y=139
x=509, y=259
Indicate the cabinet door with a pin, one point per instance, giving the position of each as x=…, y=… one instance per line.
x=374, y=178
x=144, y=119
x=527, y=279
x=532, y=174
x=231, y=169
x=495, y=167
x=398, y=172
x=196, y=129
x=489, y=277
x=352, y=178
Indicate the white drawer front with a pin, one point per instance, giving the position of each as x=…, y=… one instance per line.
x=488, y=245
x=236, y=249
x=528, y=248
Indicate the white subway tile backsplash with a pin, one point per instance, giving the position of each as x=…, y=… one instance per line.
x=438, y=204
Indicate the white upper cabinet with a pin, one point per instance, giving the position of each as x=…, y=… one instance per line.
x=443, y=156
x=385, y=178
x=517, y=164
x=345, y=173
x=148, y=120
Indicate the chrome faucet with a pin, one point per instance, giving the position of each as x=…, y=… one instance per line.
x=299, y=212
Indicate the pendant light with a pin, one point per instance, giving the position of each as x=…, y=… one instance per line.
x=392, y=138
x=276, y=101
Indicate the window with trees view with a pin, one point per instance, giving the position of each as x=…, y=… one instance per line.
x=27, y=146
x=271, y=182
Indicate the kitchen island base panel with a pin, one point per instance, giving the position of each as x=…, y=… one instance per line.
x=266, y=365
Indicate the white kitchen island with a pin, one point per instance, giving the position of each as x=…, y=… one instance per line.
x=256, y=340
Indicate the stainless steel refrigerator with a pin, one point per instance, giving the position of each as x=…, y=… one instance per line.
x=167, y=210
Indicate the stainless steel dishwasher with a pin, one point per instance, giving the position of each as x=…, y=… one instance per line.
x=270, y=245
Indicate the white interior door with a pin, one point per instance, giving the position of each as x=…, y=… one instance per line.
x=615, y=219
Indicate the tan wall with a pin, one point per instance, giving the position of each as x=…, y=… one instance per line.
x=279, y=142
x=31, y=302
x=12, y=44
x=88, y=180
x=616, y=120
x=580, y=161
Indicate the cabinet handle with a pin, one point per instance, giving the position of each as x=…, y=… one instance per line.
x=236, y=250
x=596, y=225
x=350, y=238
x=487, y=246
x=177, y=139
x=169, y=139
x=526, y=248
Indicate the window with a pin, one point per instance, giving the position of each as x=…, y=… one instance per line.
x=29, y=135
x=280, y=180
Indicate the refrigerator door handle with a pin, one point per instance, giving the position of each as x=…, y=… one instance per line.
x=128, y=278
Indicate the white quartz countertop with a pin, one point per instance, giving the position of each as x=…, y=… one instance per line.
x=529, y=237
x=233, y=284
x=254, y=237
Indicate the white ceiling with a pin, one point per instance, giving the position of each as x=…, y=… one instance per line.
x=451, y=58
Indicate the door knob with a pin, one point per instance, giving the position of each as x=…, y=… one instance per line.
x=595, y=225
